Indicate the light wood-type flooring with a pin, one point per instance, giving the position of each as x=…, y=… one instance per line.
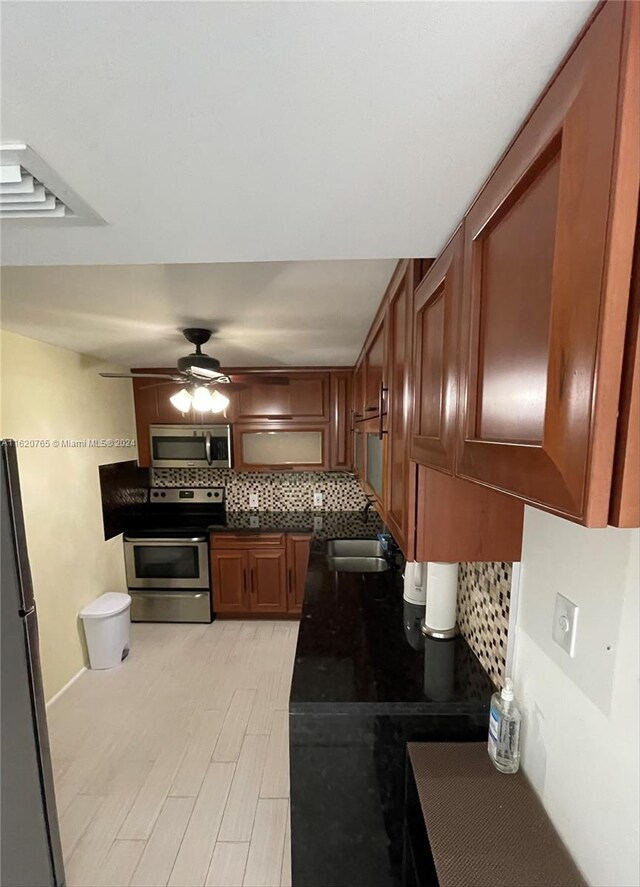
x=173, y=769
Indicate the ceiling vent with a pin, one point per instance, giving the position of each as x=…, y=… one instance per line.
x=31, y=193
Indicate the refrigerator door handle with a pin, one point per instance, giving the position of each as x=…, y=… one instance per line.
x=24, y=613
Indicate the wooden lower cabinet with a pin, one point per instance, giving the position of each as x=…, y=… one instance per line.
x=268, y=580
x=230, y=581
x=253, y=577
x=298, y=548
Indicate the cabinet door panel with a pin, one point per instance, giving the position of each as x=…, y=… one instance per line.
x=435, y=360
x=305, y=398
x=298, y=548
x=229, y=571
x=548, y=243
x=398, y=498
x=278, y=446
x=341, y=420
x=268, y=580
x=374, y=372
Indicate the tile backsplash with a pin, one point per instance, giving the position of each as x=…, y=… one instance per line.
x=484, y=591
x=276, y=491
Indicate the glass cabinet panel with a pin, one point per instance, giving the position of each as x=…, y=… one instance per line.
x=282, y=447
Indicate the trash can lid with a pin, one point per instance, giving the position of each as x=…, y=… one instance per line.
x=109, y=604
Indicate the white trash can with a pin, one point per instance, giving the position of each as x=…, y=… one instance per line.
x=106, y=628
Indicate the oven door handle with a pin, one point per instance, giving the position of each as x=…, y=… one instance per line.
x=207, y=447
x=165, y=541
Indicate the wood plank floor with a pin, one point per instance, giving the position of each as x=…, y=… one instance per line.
x=173, y=769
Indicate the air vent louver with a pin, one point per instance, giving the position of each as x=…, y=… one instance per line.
x=30, y=190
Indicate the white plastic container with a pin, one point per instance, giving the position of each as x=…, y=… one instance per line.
x=106, y=628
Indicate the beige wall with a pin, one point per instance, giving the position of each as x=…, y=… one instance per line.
x=50, y=393
x=581, y=729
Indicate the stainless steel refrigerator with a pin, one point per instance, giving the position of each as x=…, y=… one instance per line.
x=30, y=851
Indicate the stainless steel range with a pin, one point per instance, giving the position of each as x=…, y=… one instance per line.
x=166, y=554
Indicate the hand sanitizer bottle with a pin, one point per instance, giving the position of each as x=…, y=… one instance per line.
x=504, y=730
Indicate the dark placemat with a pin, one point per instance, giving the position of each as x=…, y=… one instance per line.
x=485, y=828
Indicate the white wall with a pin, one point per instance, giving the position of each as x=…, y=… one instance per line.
x=581, y=740
x=50, y=393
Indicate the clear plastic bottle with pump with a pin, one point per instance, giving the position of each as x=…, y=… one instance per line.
x=504, y=730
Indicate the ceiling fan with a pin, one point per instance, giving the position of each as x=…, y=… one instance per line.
x=202, y=377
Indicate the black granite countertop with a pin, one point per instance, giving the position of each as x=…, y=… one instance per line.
x=360, y=648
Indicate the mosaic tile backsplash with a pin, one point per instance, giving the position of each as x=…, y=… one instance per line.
x=484, y=591
x=277, y=491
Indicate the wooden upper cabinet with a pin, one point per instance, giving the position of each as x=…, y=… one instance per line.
x=268, y=580
x=304, y=399
x=340, y=444
x=436, y=316
x=625, y=494
x=374, y=365
x=399, y=498
x=548, y=249
x=357, y=399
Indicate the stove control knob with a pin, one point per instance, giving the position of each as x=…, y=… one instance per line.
x=163, y=495
x=209, y=495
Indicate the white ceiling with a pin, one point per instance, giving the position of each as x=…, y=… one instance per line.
x=266, y=313
x=269, y=131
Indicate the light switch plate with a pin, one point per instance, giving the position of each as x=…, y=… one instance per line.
x=565, y=622
x=317, y=500
x=253, y=500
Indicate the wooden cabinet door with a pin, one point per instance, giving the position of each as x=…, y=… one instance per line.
x=399, y=499
x=374, y=372
x=340, y=444
x=279, y=445
x=298, y=548
x=268, y=580
x=435, y=360
x=230, y=581
x=304, y=399
x=358, y=391
x=548, y=252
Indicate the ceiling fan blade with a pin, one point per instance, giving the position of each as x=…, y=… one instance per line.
x=227, y=386
x=142, y=376
x=170, y=381
x=258, y=379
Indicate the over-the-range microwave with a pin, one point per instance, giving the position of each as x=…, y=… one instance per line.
x=190, y=446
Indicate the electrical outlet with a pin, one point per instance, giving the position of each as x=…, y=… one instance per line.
x=317, y=522
x=317, y=500
x=565, y=621
x=254, y=520
x=253, y=500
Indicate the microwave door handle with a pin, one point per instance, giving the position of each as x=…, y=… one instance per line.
x=207, y=446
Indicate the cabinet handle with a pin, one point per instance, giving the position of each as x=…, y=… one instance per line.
x=290, y=582
x=253, y=590
x=246, y=584
x=383, y=391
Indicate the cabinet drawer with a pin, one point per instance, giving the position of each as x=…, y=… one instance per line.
x=247, y=540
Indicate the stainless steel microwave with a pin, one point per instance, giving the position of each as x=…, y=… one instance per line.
x=190, y=446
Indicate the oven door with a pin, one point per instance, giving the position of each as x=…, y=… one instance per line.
x=190, y=446
x=167, y=563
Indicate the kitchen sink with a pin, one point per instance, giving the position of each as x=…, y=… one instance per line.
x=356, y=556
x=357, y=564
x=358, y=548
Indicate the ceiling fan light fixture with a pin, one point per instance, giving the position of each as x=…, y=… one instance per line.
x=202, y=400
x=219, y=402
x=182, y=400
